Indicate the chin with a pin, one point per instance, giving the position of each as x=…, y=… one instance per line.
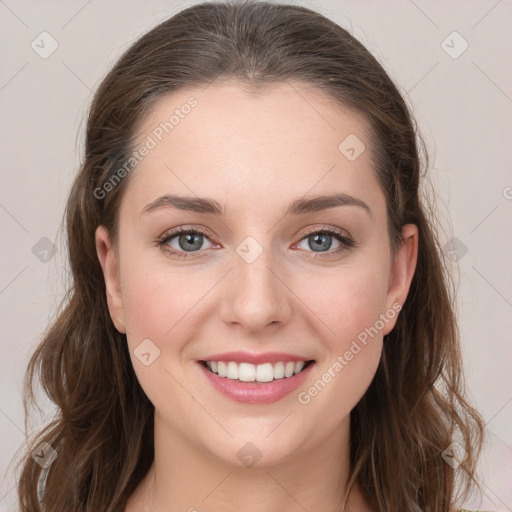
x=250, y=451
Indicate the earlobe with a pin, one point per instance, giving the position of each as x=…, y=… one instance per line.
x=402, y=271
x=109, y=264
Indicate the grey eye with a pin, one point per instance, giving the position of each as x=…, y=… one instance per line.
x=319, y=242
x=190, y=241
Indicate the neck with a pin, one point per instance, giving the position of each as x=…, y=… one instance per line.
x=184, y=478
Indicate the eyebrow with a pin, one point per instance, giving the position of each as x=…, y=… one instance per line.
x=296, y=207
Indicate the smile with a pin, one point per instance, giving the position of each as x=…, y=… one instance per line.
x=247, y=372
x=264, y=383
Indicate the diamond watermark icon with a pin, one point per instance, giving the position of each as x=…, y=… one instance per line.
x=455, y=249
x=146, y=352
x=44, y=45
x=249, y=455
x=352, y=147
x=44, y=455
x=44, y=249
x=249, y=249
x=454, y=455
x=454, y=45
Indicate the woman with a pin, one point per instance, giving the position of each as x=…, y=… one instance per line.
x=260, y=317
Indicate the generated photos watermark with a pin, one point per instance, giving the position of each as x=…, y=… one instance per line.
x=357, y=345
x=151, y=142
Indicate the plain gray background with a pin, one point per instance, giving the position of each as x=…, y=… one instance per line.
x=461, y=97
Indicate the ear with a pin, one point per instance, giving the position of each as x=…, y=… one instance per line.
x=402, y=272
x=109, y=264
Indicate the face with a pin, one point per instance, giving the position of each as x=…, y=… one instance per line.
x=276, y=275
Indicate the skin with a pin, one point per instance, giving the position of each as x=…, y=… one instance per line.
x=253, y=153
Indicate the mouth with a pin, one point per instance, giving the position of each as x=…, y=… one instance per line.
x=261, y=373
x=249, y=383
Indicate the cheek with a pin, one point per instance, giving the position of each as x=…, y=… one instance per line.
x=159, y=307
x=353, y=351
x=352, y=305
x=159, y=304
x=347, y=301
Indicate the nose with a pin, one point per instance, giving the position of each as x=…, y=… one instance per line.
x=257, y=297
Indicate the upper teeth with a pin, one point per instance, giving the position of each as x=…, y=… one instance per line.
x=248, y=372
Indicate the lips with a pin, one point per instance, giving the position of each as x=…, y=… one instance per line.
x=256, y=378
x=248, y=357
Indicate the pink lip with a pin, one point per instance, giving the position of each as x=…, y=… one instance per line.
x=240, y=356
x=256, y=392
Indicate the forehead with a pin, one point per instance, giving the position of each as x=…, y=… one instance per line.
x=223, y=140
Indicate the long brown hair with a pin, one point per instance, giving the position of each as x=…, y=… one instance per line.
x=103, y=430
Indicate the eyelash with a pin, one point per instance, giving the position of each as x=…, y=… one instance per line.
x=346, y=241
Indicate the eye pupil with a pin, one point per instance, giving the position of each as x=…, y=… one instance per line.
x=319, y=238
